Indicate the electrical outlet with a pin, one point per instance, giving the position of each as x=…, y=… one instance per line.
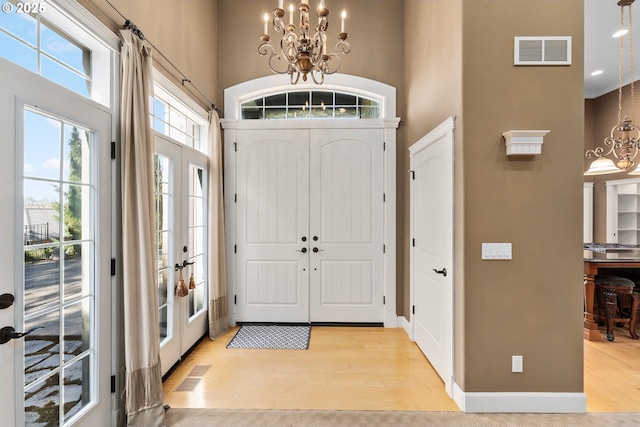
x=516, y=364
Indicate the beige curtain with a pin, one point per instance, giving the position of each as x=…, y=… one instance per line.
x=218, y=308
x=143, y=385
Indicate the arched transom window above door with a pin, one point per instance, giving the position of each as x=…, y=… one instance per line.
x=310, y=104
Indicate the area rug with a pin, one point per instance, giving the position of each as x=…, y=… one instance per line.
x=177, y=417
x=281, y=337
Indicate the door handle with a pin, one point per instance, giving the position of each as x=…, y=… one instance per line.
x=303, y=250
x=316, y=250
x=443, y=271
x=184, y=264
x=8, y=333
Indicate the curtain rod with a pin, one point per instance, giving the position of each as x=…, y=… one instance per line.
x=129, y=25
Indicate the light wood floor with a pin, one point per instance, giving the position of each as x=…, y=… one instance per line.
x=355, y=368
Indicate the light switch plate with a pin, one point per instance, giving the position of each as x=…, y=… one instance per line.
x=516, y=363
x=496, y=251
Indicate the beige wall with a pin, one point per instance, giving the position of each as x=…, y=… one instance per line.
x=376, y=55
x=531, y=305
x=184, y=31
x=433, y=82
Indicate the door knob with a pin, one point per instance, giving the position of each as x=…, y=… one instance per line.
x=318, y=250
x=443, y=271
x=303, y=250
x=8, y=333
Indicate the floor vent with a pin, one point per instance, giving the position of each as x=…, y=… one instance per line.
x=542, y=51
x=188, y=384
x=194, y=377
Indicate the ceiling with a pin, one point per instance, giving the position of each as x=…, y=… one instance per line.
x=602, y=51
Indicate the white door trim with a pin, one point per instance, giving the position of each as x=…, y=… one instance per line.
x=384, y=93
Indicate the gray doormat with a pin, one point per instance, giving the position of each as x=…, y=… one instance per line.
x=281, y=337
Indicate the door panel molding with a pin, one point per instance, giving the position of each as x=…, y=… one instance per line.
x=273, y=218
x=347, y=206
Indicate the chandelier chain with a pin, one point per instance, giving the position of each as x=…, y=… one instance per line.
x=620, y=63
x=633, y=112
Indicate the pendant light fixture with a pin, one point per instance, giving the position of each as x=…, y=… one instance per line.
x=621, y=147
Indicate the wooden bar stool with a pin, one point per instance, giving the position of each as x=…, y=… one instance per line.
x=608, y=289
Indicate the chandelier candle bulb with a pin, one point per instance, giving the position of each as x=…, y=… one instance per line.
x=344, y=15
x=266, y=23
x=291, y=14
x=280, y=4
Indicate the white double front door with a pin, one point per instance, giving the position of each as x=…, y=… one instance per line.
x=310, y=225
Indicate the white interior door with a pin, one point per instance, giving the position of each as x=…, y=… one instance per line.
x=180, y=194
x=310, y=226
x=56, y=250
x=273, y=226
x=432, y=248
x=347, y=200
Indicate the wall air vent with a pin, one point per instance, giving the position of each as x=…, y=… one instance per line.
x=542, y=51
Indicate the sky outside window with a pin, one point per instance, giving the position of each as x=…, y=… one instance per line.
x=55, y=56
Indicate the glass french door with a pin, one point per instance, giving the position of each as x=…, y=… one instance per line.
x=56, y=247
x=181, y=213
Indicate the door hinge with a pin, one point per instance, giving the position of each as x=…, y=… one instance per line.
x=384, y=197
x=235, y=249
x=384, y=300
x=413, y=242
x=113, y=383
x=113, y=266
x=413, y=174
x=413, y=309
x=384, y=249
x=235, y=146
x=384, y=146
x=113, y=149
x=235, y=299
x=235, y=198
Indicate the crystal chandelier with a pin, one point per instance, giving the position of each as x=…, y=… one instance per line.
x=301, y=52
x=624, y=140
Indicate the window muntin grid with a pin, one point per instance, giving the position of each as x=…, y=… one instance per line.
x=172, y=118
x=310, y=105
x=32, y=42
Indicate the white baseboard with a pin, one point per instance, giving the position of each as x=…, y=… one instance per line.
x=390, y=320
x=406, y=325
x=520, y=402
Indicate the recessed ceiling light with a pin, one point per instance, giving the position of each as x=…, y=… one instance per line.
x=620, y=33
x=597, y=72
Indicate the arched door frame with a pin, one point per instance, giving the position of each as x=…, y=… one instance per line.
x=233, y=98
